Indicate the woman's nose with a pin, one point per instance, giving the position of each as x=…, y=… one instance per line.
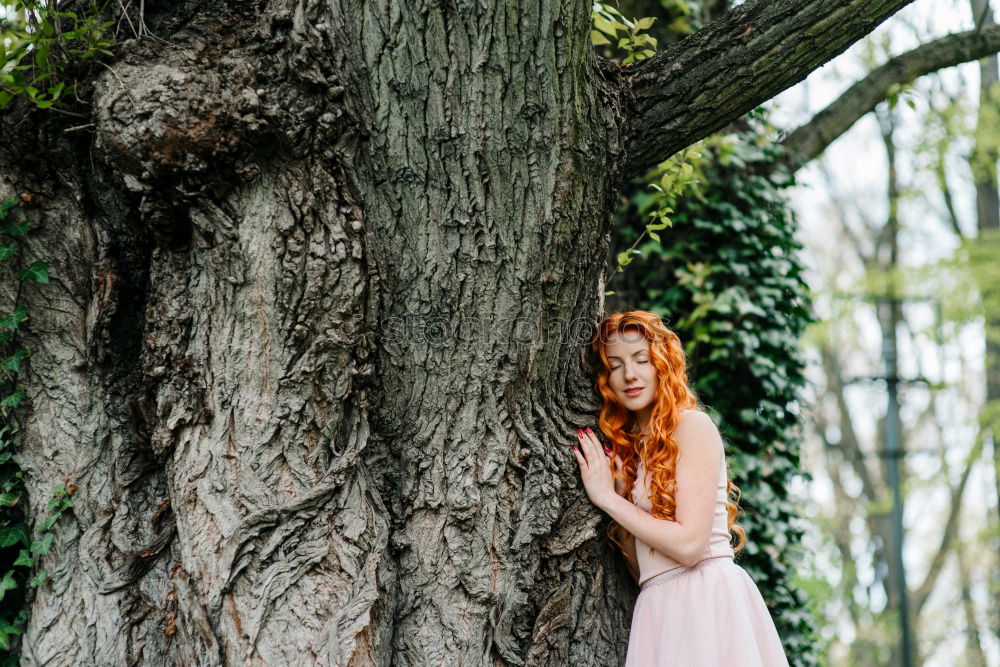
x=630, y=372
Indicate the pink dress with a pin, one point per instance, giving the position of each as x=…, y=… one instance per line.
x=708, y=615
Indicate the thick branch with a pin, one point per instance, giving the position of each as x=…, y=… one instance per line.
x=733, y=65
x=811, y=139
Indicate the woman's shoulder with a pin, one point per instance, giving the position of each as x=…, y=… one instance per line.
x=695, y=426
x=696, y=418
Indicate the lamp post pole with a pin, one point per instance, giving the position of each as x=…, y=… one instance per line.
x=893, y=453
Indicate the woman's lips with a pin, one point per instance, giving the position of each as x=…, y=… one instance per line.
x=632, y=393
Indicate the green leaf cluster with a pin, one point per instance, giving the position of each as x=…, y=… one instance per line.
x=43, y=48
x=20, y=551
x=675, y=174
x=730, y=283
x=611, y=28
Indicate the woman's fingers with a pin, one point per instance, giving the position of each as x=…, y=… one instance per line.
x=584, y=446
x=589, y=449
x=595, y=444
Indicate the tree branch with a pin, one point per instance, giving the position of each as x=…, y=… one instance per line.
x=950, y=529
x=808, y=141
x=850, y=444
x=732, y=65
x=839, y=530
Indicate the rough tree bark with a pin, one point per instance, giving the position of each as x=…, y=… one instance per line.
x=299, y=352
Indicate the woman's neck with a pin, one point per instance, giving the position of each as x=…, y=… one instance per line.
x=642, y=419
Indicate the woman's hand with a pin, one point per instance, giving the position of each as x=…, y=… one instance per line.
x=595, y=468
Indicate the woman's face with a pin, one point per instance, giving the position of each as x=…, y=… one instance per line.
x=633, y=376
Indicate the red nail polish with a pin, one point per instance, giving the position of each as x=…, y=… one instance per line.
x=588, y=430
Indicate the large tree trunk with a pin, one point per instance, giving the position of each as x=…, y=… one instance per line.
x=311, y=350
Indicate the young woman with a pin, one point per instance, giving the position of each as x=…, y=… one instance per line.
x=664, y=482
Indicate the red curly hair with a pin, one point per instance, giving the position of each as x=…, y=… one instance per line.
x=659, y=450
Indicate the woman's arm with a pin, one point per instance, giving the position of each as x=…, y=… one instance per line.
x=686, y=538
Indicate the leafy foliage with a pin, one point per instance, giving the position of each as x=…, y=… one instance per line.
x=613, y=34
x=43, y=48
x=612, y=29
x=20, y=552
x=729, y=282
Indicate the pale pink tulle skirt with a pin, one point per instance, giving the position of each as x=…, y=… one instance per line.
x=708, y=615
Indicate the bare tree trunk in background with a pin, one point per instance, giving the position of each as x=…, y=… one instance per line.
x=974, y=655
x=299, y=352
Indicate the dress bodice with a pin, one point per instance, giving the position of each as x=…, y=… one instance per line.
x=652, y=562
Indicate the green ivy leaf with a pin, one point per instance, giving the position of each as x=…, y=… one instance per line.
x=15, y=228
x=8, y=250
x=45, y=525
x=24, y=559
x=11, y=321
x=7, y=583
x=13, y=400
x=13, y=362
x=11, y=535
x=43, y=545
x=7, y=628
x=38, y=270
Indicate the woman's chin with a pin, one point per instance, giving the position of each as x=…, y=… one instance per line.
x=636, y=403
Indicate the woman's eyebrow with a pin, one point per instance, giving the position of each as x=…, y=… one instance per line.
x=633, y=354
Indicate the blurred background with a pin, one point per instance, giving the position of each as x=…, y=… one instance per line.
x=899, y=222
x=841, y=307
